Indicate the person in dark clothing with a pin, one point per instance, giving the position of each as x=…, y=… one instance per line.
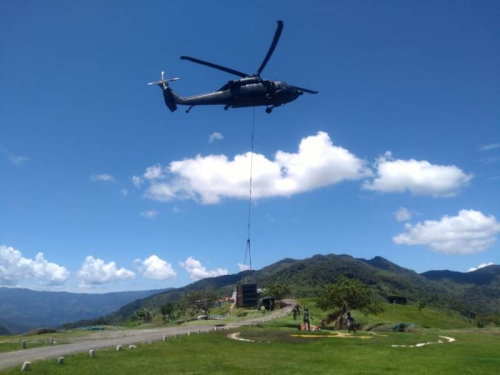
x=350, y=322
x=306, y=318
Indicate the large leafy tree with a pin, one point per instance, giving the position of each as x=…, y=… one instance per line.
x=348, y=294
x=278, y=291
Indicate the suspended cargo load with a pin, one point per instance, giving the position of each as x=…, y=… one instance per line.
x=246, y=295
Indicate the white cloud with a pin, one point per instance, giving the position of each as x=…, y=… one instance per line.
x=124, y=192
x=96, y=272
x=102, y=177
x=155, y=268
x=243, y=267
x=137, y=181
x=469, y=232
x=14, y=268
x=482, y=265
x=154, y=172
x=492, y=146
x=149, y=214
x=177, y=210
x=416, y=176
x=215, y=137
x=17, y=160
x=197, y=271
x=403, y=214
x=317, y=163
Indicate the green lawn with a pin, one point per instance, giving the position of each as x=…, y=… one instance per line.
x=427, y=318
x=276, y=351
x=13, y=342
x=13, y=345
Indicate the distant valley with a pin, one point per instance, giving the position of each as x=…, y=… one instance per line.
x=23, y=309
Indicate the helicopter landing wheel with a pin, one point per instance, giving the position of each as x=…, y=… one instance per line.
x=269, y=109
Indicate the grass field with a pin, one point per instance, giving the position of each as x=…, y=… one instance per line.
x=427, y=318
x=276, y=351
x=13, y=342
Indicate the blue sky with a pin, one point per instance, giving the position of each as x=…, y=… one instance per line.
x=78, y=122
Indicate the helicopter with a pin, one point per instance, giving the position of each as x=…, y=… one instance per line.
x=249, y=91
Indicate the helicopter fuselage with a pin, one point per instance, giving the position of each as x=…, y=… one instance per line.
x=246, y=92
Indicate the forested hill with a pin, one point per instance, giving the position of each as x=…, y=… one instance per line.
x=482, y=276
x=24, y=309
x=306, y=277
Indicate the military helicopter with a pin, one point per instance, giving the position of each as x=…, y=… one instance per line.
x=249, y=91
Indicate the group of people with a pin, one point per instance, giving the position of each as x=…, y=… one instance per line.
x=350, y=322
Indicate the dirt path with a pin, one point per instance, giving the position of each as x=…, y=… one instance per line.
x=11, y=359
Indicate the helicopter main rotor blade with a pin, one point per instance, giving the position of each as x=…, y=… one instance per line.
x=276, y=38
x=215, y=66
x=304, y=90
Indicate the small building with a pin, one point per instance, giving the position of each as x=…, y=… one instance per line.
x=398, y=300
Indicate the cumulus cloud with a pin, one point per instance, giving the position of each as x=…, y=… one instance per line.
x=14, y=268
x=416, y=176
x=137, y=181
x=469, y=232
x=124, y=192
x=215, y=137
x=197, y=271
x=318, y=163
x=149, y=214
x=403, y=214
x=96, y=272
x=102, y=177
x=154, y=172
x=243, y=267
x=482, y=265
x=489, y=147
x=155, y=268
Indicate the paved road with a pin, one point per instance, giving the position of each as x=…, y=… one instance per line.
x=128, y=337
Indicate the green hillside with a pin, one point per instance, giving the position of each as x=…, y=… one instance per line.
x=306, y=277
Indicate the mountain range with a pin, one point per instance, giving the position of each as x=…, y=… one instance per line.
x=24, y=309
x=471, y=294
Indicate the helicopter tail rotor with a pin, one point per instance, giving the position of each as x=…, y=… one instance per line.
x=163, y=83
x=168, y=95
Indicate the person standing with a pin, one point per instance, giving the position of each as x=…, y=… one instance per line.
x=350, y=322
x=307, y=318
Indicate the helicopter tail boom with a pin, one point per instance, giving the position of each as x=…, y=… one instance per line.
x=168, y=96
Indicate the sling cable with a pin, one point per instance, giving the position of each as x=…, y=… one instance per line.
x=247, y=262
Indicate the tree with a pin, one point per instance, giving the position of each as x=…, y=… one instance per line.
x=144, y=315
x=200, y=300
x=348, y=294
x=168, y=312
x=278, y=291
